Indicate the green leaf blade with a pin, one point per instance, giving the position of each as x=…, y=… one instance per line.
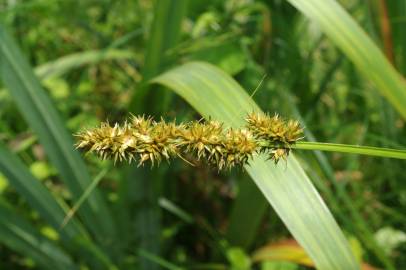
x=35, y=193
x=215, y=95
x=19, y=235
x=341, y=28
x=75, y=60
x=40, y=113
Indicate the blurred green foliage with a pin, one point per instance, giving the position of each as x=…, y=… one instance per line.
x=177, y=216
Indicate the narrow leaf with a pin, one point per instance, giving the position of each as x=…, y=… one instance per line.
x=165, y=32
x=214, y=94
x=42, y=116
x=66, y=63
x=32, y=190
x=17, y=234
x=341, y=28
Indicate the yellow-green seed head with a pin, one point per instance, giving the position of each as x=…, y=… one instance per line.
x=202, y=138
x=142, y=139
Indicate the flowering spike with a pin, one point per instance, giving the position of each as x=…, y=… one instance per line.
x=142, y=139
x=278, y=134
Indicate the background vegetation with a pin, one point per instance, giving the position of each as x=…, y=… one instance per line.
x=95, y=59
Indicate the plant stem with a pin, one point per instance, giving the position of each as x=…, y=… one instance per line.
x=354, y=149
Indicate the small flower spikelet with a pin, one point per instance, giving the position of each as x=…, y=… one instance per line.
x=202, y=139
x=238, y=148
x=142, y=139
x=276, y=134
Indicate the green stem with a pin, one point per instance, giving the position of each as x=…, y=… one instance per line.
x=354, y=149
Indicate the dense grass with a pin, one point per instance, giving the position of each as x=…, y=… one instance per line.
x=68, y=65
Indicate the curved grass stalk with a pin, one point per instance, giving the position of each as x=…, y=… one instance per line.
x=352, y=149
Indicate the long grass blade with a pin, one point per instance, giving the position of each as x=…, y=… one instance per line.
x=165, y=32
x=341, y=28
x=82, y=198
x=341, y=197
x=21, y=236
x=214, y=94
x=35, y=193
x=66, y=63
x=42, y=116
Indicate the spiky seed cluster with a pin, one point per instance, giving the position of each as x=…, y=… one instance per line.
x=276, y=134
x=107, y=141
x=143, y=139
x=274, y=128
x=237, y=148
x=202, y=139
x=222, y=148
x=139, y=139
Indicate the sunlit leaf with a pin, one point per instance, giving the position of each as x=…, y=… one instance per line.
x=288, y=189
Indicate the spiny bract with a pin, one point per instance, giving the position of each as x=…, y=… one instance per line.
x=143, y=139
